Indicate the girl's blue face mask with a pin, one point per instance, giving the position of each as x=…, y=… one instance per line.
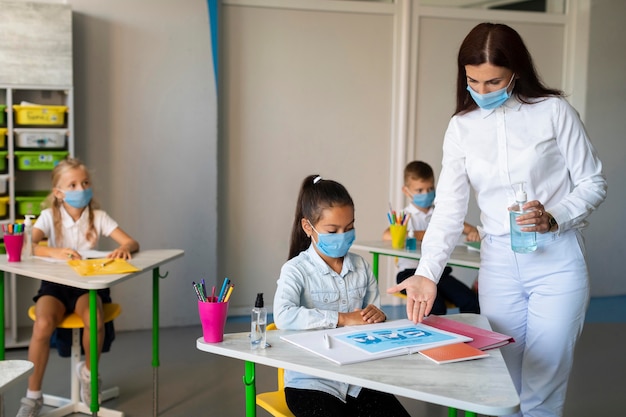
x=78, y=198
x=494, y=99
x=424, y=200
x=334, y=245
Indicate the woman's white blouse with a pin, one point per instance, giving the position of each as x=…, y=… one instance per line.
x=543, y=144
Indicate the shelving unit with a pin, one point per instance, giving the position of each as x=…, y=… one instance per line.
x=36, y=56
x=23, y=184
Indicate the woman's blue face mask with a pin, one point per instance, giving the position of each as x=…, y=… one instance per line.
x=424, y=200
x=491, y=100
x=334, y=245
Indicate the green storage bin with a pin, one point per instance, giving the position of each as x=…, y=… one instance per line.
x=2, y=113
x=29, y=202
x=39, y=160
x=3, y=162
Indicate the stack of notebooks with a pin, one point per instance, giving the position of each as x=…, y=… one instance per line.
x=439, y=339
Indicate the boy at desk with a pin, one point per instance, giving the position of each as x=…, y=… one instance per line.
x=419, y=187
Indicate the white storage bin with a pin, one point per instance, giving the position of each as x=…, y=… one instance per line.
x=4, y=180
x=40, y=138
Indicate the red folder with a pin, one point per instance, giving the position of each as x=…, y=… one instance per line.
x=481, y=338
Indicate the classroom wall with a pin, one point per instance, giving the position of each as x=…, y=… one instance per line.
x=606, y=99
x=146, y=125
x=302, y=92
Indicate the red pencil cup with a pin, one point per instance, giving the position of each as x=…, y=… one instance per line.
x=13, y=245
x=213, y=319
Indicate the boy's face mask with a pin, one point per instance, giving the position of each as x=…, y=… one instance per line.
x=424, y=200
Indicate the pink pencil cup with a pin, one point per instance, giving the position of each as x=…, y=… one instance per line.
x=213, y=319
x=13, y=245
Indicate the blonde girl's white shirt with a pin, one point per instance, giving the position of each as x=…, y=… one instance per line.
x=543, y=144
x=418, y=221
x=74, y=232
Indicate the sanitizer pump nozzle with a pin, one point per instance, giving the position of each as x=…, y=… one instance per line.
x=520, y=195
x=27, y=250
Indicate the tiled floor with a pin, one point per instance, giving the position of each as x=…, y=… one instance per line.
x=194, y=383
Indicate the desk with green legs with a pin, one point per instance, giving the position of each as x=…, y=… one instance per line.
x=461, y=256
x=479, y=386
x=61, y=273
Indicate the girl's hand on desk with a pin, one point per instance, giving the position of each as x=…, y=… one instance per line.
x=372, y=314
x=121, y=252
x=65, y=253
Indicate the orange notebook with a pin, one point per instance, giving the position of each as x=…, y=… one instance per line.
x=453, y=353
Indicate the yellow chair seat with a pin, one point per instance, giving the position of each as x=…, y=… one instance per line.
x=73, y=321
x=274, y=401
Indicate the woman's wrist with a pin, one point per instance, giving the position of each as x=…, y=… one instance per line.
x=553, y=226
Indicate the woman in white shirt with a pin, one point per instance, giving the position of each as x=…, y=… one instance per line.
x=510, y=128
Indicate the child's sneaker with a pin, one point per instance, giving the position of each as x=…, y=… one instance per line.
x=30, y=407
x=84, y=377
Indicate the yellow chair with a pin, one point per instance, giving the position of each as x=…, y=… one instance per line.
x=274, y=402
x=68, y=406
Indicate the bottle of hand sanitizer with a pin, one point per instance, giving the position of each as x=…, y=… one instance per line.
x=258, y=330
x=411, y=242
x=521, y=242
x=27, y=249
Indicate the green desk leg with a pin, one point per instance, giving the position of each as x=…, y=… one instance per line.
x=1, y=315
x=452, y=412
x=93, y=349
x=375, y=257
x=250, y=384
x=155, y=341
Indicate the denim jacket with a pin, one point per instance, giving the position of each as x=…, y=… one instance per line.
x=310, y=295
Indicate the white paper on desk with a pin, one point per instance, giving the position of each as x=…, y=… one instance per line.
x=343, y=352
x=93, y=254
x=85, y=254
x=51, y=260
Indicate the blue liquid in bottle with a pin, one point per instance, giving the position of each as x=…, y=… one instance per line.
x=521, y=242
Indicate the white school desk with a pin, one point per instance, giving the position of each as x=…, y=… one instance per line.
x=461, y=256
x=11, y=372
x=479, y=386
x=61, y=273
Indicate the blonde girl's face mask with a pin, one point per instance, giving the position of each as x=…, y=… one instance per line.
x=78, y=198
